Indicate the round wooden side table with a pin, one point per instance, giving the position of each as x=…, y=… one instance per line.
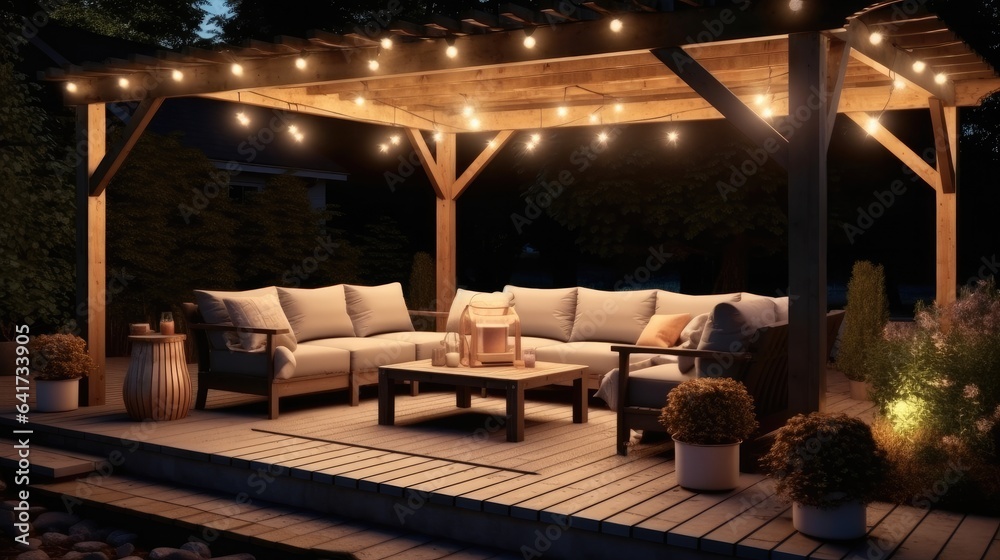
x=157, y=385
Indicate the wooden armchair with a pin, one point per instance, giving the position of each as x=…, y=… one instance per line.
x=764, y=371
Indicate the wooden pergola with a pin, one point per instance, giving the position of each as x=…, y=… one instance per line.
x=778, y=70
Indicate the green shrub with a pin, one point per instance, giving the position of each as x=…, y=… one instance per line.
x=865, y=320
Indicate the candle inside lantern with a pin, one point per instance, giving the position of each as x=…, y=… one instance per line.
x=452, y=359
x=493, y=339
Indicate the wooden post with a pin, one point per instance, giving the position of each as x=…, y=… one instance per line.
x=447, y=241
x=91, y=274
x=945, y=121
x=807, y=222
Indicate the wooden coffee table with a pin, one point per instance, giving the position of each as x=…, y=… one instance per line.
x=512, y=380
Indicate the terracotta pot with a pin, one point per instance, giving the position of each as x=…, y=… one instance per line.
x=840, y=523
x=57, y=395
x=861, y=390
x=707, y=467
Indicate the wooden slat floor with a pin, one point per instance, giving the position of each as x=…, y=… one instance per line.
x=449, y=473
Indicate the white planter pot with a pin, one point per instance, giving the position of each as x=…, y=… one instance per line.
x=861, y=390
x=60, y=395
x=707, y=467
x=840, y=523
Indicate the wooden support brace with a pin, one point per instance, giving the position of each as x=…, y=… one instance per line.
x=725, y=101
x=903, y=152
x=943, y=145
x=113, y=160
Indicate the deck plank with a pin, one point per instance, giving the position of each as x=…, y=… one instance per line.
x=972, y=538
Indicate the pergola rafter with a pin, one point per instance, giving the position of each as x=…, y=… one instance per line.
x=669, y=62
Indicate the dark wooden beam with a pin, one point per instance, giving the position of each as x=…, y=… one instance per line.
x=113, y=160
x=807, y=223
x=837, y=61
x=712, y=90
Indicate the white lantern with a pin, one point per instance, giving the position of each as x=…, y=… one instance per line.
x=491, y=331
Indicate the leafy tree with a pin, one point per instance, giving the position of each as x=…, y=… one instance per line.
x=385, y=251
x=36, y=207
x=170, y=23
x=164, y=239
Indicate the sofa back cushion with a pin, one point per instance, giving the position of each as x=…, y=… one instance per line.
x=780, y=304
x=731, y=327
x=545, y=312
x=214, y=312
x=317, y=313
x=462, y=298
x=377, y=309
x=263, y=311
x=671, y=303
x=612, y=316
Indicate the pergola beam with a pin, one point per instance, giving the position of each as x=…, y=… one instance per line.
x=946, y=206
x=898, y=148
x=113, y=160
x=712, y=90
x=838, y=60
x=943, y=145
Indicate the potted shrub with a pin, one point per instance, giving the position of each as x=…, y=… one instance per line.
x=867, y=312
x=708, y=418
x=830, y=467
x=58, y=362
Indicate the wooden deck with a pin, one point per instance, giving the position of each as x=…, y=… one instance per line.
x=449, y=473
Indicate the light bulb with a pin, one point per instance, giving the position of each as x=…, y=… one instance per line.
x=237, y=69
x=875, y=38
x=300, y=63
x=941, y=78
x=562, y=110
x=468, y=110
x=123, y=83
x=438, y=136
x=244, y=120
x=359, y=100
x=71, y=87
x=536, y=138
x=919, y=66
x=177, y=75
x=795, y=5
x=530, y=146
x=593, y=117
x=384, y=148
x=451, y=51
x=619, y=107
x=474, y=123
x=768, y=112
x=386, y=43
x=298, y=136
x=616, y=25
x=602, y=137
x=293, y=129
x=872, y=126
x=898, y=83
x=373, y=65
x=760, y=99
x=529, y=42
x=672, y=136
x=394, y=139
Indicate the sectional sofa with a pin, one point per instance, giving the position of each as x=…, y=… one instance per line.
x=278, y=341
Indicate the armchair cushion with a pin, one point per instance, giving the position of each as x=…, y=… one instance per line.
x=316, y=313
x=648, y=387
x=731, y=328
x=377, y=309
x=214, y=312
x=611, y=316
x=259, y=311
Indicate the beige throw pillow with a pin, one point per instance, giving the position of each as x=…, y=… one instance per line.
x=377, y=309
x=663, y=330
x=316, y=313
x=260, y=312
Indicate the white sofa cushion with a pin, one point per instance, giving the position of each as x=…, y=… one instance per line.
x=780, y=304
x=213, y=311
x=367, y=354
x=262, y=311
x=669, y=303
x=316, y=313
x=545, y=312
x=611, y=316
x=425, y=342
x=597, y=356
x=730, y=328
x=305, y=361
x=458, y=304
x=377, y=309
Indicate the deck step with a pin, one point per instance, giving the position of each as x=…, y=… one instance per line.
x=48, y=462
x=267, y=529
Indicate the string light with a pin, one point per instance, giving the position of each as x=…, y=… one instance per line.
x=394, y=139
x=872, y=126
x=359, y=100
x=530, y=146
x=237, y=69
x=529, y=42
x=71, y=87
x=386, y=43
x=919, y=66
x=474, y=123
x=760, y=100
x=616, y=25
x=438, y=136
x=672, y=136
x=300, y=63
x=373, y=65
x=177, y=75
x=562, y=110
x=384, y=148
x=468, y=110
x=941, y=78
x=593, y=117
x=795, y=5
x=875, y=38
x=602, y=137
x=536, y=138
x=619, y=107
x=767, y=112
x=244, y=120
x=296, y=133
x=898, y=83
x=451, y=51
x=123, y=83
